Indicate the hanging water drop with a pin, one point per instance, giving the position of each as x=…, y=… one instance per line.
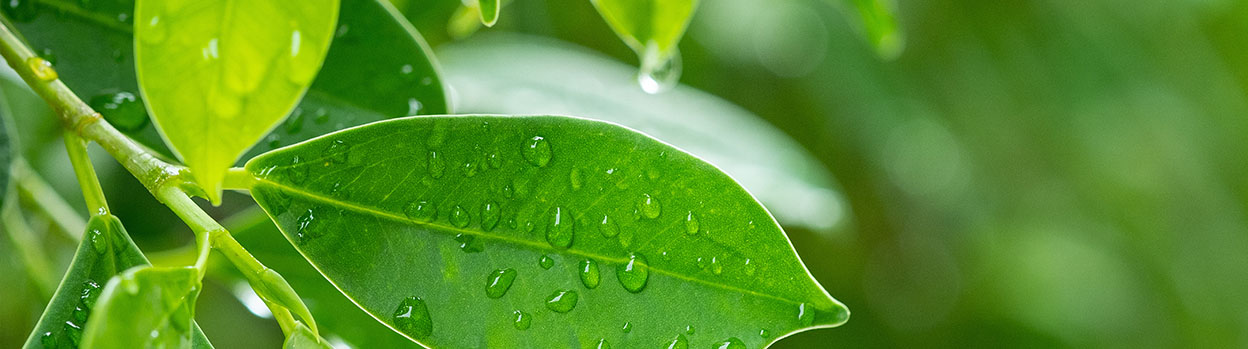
x=460, y=217
x=412, y=318
x=41, y=68
x=490, y=214
x=536, y=151
x=659, y=73
x=421, y=211
x=523, y=320
x=589, y=273
x=691, y=223
x=649, y=206
x=561, y=228
x=633, y=275
x=498, y=282
x=764, y=333
x=561, y=301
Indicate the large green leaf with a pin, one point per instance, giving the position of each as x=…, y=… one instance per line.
x=219, y=75
x=543, y=231
x=652, y=28
x=145, y=307
x=516, y=74
x=105, y=251
x=378, y=67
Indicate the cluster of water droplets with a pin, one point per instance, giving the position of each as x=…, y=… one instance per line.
x=88, y=294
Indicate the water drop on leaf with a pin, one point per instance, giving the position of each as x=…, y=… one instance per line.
x=412, y=318
x=691, y=223
x=561, y=229
x=589, y=273
x=608, y=228
x=633, y=275
x=680, y=342
x=546, y=262
x=730, y=343
x=537, y=151
x=498, y=282
x=421, y=211
x=490, y=214
x=437, y=166
x=561, y=301
x=805, y=314
x=523, y=320
x=460, y=217
x=649, y=206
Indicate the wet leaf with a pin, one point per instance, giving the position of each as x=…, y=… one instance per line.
x=145, y=307
x=474, y=230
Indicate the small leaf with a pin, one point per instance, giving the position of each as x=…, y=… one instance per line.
x=105, y=250
x=145, y=307
x=516, y=74
x=303, y=338
x=652, y=28
x=434, y=249
x=879, y=26
x=489, y=11
x=218, y=75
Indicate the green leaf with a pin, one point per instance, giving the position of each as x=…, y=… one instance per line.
x=652, y=28
x=879, y=26
x=489, y=11
x=516, y=74
x=378, y=67
x=145, y=307
x=219, y=75
x=105, y=250
x=303, y=338
x=448, y=228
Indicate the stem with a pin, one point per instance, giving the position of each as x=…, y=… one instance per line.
x=91, y=190
x=38, y=193
x=237, y=178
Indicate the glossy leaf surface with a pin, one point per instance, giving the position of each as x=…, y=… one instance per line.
x=105, y=251
x=514, y=74
x=219, y=75
x=469, y=231
x=377, y=67
x=145, y=307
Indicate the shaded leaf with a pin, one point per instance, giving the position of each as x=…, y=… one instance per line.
x=515, y=74
x=451, y=228
x=219, y=75
x=105, y=251
x=145, y=307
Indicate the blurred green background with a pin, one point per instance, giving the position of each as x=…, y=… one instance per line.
x=1061, y=173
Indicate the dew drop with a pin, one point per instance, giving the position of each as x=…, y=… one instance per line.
x=589, y=273
x=470, y=168
x=764, y=333
x=490, y=215
x=561, y=301
x=98, y=241
x=499, y=281
x=657, y=73
x=546, y=262
x=689, y=329
x=680, y=342
x=633, y=275
x=608, y=228
x=460, y=217
x=628, y=327
x=437, y=166
x=508, y=192
x=537, y=151
x=602, y=343
x=74, y=332
x=414, y=106
x=412, y=318
x=691, y=223
x=421, y=211
x=649, y=206
x=494, y=161
x=750, y=267
x=469, y=243
x=561, y=229
x=730, y=343
x=42, y=68
x=574, y=177
x=805, y=314
x=523, y=320
x=717, y=265
x=48, y=340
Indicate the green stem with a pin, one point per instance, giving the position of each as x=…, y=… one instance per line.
x=37, y=193
x=92, y=192
x=238, y=178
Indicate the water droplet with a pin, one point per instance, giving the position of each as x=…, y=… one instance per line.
x=608, y=228
x=703, y=263
x=98, y=241
x=122, y=109
x=750, y=267
x=730, y=343
x=73, y=331
x=490, y=214
x=575, y=178
x=499, y=281
x=561, y=301
x=469, y=243
x=537, y=151
x=470, y=168
x=437, y=166
x=589, y=273
x=303, y=230
x=546, y=262
x=764, y=333
x=494, y=161
x=561, y=229
x=680, y=342
x=154, y=33
x=48, y=340
x=602, y=343
x=412, y=318
x=414, y=106
x=421, y=211
x=337, y=151
x=649, y=206
x=659, y=73
x=628, y=327
x=507, y=191
x=42, y=68
x=689, y=329
x=523, y=320
x=633, y=275
x=691, y=223
x=460, y=217
x=717, y=266
x=296, y=173
x=805, y=314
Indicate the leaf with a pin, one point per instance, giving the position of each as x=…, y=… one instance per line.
x=334, y=312
x=219, y=75
x=489, y=11
x=879, y=26
x=652, y=28
x=105, y=250
x=515, y=74
x=448, y=228
x=304, y=338
x=378, y=67
x=145, y=307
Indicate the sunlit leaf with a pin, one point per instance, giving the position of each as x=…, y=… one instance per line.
x=467, y=231
x=219, y=75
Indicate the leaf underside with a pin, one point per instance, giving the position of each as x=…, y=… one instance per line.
x=415, y=218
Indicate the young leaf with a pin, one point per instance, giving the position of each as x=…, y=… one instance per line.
x=489, y=11
x=303, y=338
x=145, y=307
x=219, y=75
x=516, y=74
x=105, y=250
x=543, y=231
x=378, y=67
x=879, y=25
x=652, y=28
